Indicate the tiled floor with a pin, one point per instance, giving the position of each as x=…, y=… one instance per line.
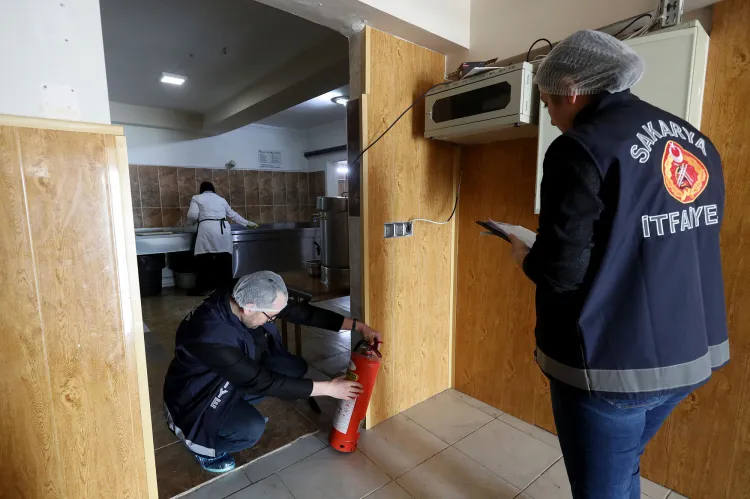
x=450, y=446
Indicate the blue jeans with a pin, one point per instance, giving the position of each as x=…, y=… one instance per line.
x=603, y=439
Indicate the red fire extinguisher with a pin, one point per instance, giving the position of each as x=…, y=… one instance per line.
x=350, y=415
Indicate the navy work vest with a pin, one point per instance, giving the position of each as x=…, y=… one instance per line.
x=196, y=399
x=651, y=317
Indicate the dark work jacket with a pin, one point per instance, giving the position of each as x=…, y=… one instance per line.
x=218, y=361
x=630, y=295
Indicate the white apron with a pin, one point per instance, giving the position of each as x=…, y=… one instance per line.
x=210, y=211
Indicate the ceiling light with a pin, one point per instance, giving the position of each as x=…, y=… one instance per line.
x=341, y=100
x=173, y=79
x=342, y=169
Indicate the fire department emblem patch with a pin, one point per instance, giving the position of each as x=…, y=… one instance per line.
x=685, y=176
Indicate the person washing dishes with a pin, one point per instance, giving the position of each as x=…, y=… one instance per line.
x=229, y=356
x=213, y=243
x=629, y=289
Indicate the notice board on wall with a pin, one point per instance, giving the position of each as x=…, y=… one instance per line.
x=269, y=159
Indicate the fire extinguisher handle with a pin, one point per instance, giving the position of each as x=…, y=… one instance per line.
x=368, y=347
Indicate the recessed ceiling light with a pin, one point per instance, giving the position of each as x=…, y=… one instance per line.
x=342, y=169
x=341, y=100
x=173, y=79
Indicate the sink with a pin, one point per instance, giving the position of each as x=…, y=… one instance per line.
x=163, y=240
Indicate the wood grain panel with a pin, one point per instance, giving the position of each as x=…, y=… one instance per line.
x=494, y=301
x=407, y=281
x=29, y=452
x=68, y=181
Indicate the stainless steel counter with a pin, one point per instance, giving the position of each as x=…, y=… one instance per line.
x=164, y=240
x=279, y=247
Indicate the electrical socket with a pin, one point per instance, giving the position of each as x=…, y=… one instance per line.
x=398, y=229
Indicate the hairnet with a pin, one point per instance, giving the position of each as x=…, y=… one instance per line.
x=589, y=62
x=260, y=288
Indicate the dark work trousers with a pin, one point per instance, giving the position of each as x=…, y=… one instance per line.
x=214, y=270
x=602, y=439
x=244, y=425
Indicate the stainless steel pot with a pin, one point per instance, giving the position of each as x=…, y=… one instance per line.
x=334, y=237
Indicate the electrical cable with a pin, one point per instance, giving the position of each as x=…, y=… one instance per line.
x=528, y=54
x=632, y=23
x=458, y=190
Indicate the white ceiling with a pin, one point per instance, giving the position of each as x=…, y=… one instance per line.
x=312, y=113
x=143, y=38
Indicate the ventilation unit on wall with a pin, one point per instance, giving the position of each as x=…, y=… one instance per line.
x=501, y=104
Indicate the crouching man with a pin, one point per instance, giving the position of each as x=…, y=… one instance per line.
x=229, y=356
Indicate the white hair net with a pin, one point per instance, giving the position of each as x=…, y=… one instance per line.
x=589, y=62
x=260, y=288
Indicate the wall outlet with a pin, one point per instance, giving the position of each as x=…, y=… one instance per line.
x=398, y=229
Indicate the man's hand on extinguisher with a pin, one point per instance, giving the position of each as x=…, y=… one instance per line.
x=338, y=388
x=370, y=335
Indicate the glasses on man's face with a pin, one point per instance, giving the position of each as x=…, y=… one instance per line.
x=271, y=318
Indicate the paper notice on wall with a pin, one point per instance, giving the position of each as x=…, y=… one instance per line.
x=269, y=159
x=343, y=415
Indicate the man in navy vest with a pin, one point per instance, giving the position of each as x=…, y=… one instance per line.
x=229, y=356
x=630, y=298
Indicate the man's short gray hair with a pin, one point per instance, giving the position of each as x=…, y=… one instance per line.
x=260, y=289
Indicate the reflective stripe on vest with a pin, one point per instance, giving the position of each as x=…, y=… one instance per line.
x=637, y=380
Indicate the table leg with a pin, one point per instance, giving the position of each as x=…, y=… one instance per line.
x=298, y=335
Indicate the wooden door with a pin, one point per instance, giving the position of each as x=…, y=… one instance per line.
x=73, y=395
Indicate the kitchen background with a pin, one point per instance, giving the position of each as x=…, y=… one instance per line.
x=161, y=194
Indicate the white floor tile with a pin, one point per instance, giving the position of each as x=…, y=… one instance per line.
x=220, y=487
x=328, y=474
x=453, y=475
x=675, y=495
x=509, y=452
x=333, y=365
x=316, y=375
x=478, y=404
x=270, y=488
x=448, y=417
x=282, y=458
x=530, y=429
x=398, y=445
x=653, y=490
x=390, y=491
x=553, y=484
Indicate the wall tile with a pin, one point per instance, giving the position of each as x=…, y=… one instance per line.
x=279, y=188
x=317, y=186
x=266, y=214
x=202, y=175
x=305, y=213
x=135, y=187
x=253, y=214
x=221, y=183
x=290, y=183
x=252, y=191
x=148, y=177
x=303, y=187
x=152, y=218
x=241, y=211
x=170, y=195
x=137, y=218
x=293, y=213
x=265, y=188
x=183, y=214
x=236, y=188
x=279, y=213
x=186, y=185
x=171, y=217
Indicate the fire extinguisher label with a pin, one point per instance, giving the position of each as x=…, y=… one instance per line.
x=351, y=376
x=343, y=415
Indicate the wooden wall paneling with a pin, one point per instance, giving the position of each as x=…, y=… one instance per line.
x=31, y=463
x=407, y=281
x=67, y=184
x=130, y=304
x=495, y=312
